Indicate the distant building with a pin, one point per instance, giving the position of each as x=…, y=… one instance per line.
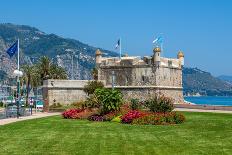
x=142, y=78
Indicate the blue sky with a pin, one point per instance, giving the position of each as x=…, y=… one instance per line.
x=201, y=28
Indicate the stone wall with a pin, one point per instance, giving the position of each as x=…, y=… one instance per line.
x=63, y=91
x=146, y=92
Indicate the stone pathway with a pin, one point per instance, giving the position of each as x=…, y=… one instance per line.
x=202, y=110
x=34, y=116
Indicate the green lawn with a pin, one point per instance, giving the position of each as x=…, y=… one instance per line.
x=202, y=133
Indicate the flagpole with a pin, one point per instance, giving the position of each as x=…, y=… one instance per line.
x=18, y=85
x=18, y=54
x=120, y=48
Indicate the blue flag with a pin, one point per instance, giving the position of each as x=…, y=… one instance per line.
x=118, y=44
x=13, y=49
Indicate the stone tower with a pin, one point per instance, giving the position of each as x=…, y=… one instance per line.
x=98, y=55
x=180, y=56
x=156, y=55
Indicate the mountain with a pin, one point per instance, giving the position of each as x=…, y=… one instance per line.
x=226, y=78
x=196, y=81
x=35, y=43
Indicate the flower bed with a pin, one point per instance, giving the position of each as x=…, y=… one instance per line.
x=160, y=119
x=131, y=117
x=78, y=113
x=106, y=105
x=71, y=113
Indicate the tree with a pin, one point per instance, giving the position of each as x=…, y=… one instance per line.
x=48, y=70
x=57, y=72
x=44, y=67
x=31, y=78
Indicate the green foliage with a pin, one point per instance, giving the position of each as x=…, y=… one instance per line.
x=91, y=102
x=78, y=104
x=48, y=70
x=110, y=100
x=56, y=105
x=1, y=104
x=92, y=86
x=134, y=104
x=117, y=119
x=179, y=118
x=57, y=72
x=160, y=104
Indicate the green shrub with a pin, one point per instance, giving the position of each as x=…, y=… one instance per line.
x=77, y=104
x=56, y=105
x=91, y=102
x=179, y=118
x=110, y=100
x=134, y=104
x=92, y=86
x=160, y=104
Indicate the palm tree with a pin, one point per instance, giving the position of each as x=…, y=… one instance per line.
x=57, y=72
x=48, y=70
x=44, y=67
x=31, y=78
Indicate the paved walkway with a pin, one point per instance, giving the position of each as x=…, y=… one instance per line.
x=34, y=116
x=202, y=110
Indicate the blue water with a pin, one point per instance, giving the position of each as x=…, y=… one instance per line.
x=210, y=100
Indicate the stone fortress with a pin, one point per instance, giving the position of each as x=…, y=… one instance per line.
x=135, y=77
x=143, y=78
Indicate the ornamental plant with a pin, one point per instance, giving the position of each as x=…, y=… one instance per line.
x=131, y=115
x=96, y=117
x=160, y=104
x=71, y=113
x=109, y=99
x=117, y=119
x=92, y=86
x=134, y=104
x=160, y=119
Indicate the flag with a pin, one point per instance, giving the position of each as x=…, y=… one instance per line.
x=158, y=40
x=13, y=49
x=118, y=44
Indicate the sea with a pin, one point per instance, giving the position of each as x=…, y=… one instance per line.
x=210, y=100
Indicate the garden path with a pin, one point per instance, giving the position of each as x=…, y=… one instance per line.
x=34, y=116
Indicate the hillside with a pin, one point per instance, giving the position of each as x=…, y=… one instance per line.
x=35, y=43
x=198, y=81
x=226, y=78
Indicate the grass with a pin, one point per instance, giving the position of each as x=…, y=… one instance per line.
x=202, y=133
